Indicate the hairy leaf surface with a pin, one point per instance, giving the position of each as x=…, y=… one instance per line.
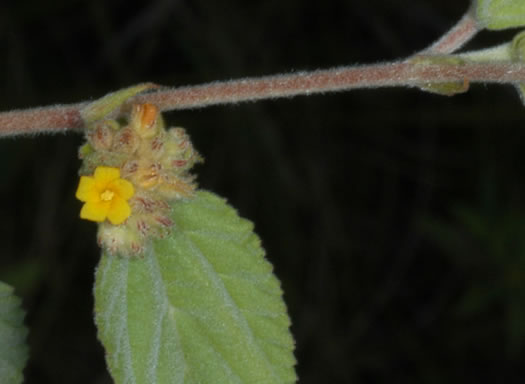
x=500, y=14
x=201, y=306
x=13, y=349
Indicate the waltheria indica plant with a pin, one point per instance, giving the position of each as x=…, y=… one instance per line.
x=183, y=293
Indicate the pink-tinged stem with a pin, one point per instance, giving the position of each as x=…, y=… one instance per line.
x=53, y=119
x=405, y=73
x=411, y=73
x=457, y=36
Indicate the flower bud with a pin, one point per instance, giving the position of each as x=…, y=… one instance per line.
x=126, y=141
x=148, y=175
x=118, y=240
x=101, y=136
x=144, y=120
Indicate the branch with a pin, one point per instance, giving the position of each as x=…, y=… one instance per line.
x=53, y=119
x=62, y=118
x=405, y=73
x=457, y=36
x=412, y=73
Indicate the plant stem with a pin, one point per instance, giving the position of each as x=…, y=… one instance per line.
x=402, y=73
x=457, y=36
x=52, y=119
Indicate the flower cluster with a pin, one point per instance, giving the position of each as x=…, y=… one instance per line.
x=133, y=169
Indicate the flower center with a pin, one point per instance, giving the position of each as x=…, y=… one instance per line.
x=107, y=195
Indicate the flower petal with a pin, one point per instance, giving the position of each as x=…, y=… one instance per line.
x=95, y=211
x=123, y=188
x=104, y=175
x=119, y=211
x=87, y=189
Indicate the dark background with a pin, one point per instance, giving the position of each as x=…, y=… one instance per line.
x=395, y=219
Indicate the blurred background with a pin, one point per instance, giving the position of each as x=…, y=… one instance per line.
x=395, y=219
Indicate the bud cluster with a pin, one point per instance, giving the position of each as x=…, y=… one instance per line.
x=155, y=160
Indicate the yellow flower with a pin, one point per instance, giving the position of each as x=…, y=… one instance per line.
x=105, y=196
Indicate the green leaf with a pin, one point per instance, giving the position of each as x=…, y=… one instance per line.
x=13, y=350
x=201, y=306
x=104, y=106
x=500, y=14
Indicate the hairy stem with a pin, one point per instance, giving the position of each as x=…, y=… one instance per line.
x=412, y=73
x=457, y=36
x=52, y=119
x=403, y=73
